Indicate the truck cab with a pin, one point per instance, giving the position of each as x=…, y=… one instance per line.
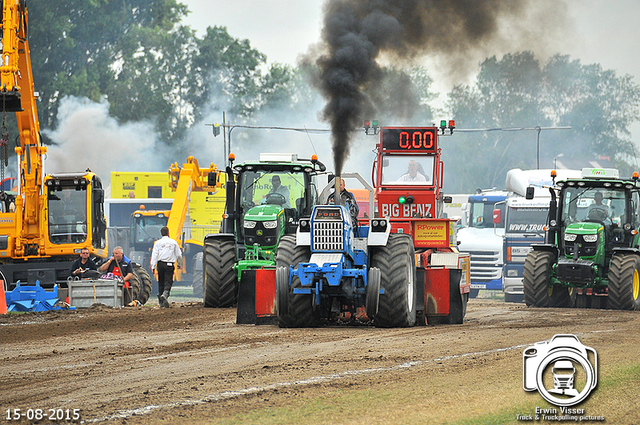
x=483, y=240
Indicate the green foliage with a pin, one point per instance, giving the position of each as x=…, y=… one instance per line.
x=77, y=44
x=517, y=92
x=138, y=56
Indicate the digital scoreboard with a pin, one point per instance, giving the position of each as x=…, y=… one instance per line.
x=410, y=139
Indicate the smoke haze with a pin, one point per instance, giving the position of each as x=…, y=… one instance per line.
x=87, y=137
x=358, y=35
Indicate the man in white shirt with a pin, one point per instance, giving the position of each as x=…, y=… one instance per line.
x=165, y=257
x=413, y=174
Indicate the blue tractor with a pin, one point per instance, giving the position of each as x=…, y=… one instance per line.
x=329, y=267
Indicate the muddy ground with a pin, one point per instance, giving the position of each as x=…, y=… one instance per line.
x=188, y=364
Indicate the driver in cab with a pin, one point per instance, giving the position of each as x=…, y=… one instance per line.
x=278, y=189
x=598, y=210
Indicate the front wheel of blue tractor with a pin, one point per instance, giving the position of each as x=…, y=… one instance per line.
x=294, y=310
x=624, y=282
x=396, y=261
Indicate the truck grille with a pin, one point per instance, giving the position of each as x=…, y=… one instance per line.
x=328, y=236
x=485, y=266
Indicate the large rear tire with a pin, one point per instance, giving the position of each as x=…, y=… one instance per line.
x=294, y=310
x=536, y=281
x=220, y=286
x=624, y=282
x=396, y=261
x=145, y=284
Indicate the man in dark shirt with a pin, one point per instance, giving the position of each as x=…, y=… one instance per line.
x=82, y=264
x=347, y=200
x=119, y=265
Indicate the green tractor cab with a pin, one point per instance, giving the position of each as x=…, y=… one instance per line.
x=265, y=201
x=591, y=255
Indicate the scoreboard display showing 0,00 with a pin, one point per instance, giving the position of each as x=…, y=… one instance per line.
x=409, y=139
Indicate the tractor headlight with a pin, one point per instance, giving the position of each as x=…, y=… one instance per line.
x=570, y=237
x=590, y=238
x=248, y=224
x=270, y=224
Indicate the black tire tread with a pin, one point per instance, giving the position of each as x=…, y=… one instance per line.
x=220, y=286
x=536, y=277
x=145, y=284
x=621, y=271
x=392, y=260
x=300, y=312
x=537, y=292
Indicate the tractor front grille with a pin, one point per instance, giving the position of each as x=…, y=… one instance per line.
x=328, y=236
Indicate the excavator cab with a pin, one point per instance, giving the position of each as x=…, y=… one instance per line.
x=75, y=215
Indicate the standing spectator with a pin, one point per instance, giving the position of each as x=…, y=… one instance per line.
x=83, y=264
x=165, y=257
x=347, y=200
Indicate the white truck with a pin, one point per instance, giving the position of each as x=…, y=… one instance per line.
x=456, y=209
x=524, y=221
x=483, y=240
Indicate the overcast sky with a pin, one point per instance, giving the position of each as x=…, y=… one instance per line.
x=606, y=31
x=596, y=31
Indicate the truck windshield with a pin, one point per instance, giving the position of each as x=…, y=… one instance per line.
x=67, y=215
x=481, y=214
x=526, y=220
x=599, y=204
x=408, y=169
x=147, y=228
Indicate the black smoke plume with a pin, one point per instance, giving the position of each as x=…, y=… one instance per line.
x=358, y=32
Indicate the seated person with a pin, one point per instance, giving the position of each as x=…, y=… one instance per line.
x=414, y=173
x=279, y=189
x=598, y=211
x=83, y=264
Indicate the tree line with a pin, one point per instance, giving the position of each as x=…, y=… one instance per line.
x=140, y=58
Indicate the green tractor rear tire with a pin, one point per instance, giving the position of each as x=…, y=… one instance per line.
x=220, y=286
x=624, y=282
x=294, y=310
x=536, y=278
x=396, y=261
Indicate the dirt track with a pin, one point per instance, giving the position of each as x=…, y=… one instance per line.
x=189, y=364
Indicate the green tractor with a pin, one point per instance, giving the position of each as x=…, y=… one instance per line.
x=265, y=200
x=591, y=255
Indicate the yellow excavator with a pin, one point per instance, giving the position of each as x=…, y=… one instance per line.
x=50, y=218
x=146, y=224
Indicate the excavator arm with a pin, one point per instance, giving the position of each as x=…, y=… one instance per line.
x=184, y=180
x=17, y=95
x=52, y=217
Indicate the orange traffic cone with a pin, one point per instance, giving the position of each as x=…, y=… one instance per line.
x=3, y=299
